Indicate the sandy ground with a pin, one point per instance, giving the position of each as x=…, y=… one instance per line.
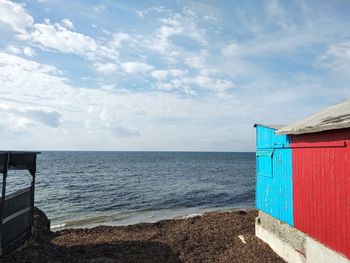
x=213, y=237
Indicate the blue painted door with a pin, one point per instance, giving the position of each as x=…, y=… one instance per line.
x=274, y=192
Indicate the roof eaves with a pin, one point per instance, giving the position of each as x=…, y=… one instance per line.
x=271, y=126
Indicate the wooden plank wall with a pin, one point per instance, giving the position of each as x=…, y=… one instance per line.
x=321, y=183
x=274, y=193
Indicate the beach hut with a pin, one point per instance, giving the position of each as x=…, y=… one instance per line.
x=320, y=174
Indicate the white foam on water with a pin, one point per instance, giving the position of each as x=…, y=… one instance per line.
x=190, y=216
x=58, y=226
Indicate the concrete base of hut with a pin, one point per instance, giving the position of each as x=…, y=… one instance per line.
x=293, y=245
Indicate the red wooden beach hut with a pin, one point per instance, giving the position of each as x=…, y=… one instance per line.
x=321, y=176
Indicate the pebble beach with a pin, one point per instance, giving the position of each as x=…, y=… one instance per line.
x=219, y=237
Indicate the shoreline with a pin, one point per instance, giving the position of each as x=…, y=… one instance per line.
x=138, y=217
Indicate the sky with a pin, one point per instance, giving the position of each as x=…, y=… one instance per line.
x=165, y=75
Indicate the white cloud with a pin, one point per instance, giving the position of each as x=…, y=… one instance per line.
x=60, y=38
x=176, y=82
x=164, y=86
x=191, y=21
x=216, y=85
x=208, y=71
x=12, y=123
x=169, y=85
x=15, y=15
x=68, y=23
x=55, y=36
x=108, y=87
x=161, y=41
x=336, y=57
x=161, y=75
x=198, y=61
x=14, y=50
x=176, y=72
x=18, y=63
x=136, y=67
x=29, y=51
x=106, y=68
x=119, y=38
x=158, y=9
x=186, y=84
x=182, y=25
x=230, y=50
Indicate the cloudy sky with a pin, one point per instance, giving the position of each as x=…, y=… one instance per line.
x=165, y=75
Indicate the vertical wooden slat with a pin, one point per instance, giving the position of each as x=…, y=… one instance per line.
x=347, y=201
x=3, y=194
x=342, y=189
x=32, y=197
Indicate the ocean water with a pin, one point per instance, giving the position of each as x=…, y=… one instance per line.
x=117, y=188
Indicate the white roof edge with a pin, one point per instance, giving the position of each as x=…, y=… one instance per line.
x=331, y=118
x=272, y=126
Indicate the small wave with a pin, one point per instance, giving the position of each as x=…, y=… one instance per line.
x=94, y=220
x=58, y=226
x=190, y=215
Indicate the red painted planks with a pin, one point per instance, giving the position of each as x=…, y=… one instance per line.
x=321, y=187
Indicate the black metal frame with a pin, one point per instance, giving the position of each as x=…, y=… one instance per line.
x=16, y=161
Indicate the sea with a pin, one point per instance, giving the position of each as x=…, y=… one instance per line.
x=85, y=189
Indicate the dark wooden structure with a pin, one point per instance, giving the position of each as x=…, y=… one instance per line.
x=16, y=209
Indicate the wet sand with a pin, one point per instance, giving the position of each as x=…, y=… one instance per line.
x=212, y=237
